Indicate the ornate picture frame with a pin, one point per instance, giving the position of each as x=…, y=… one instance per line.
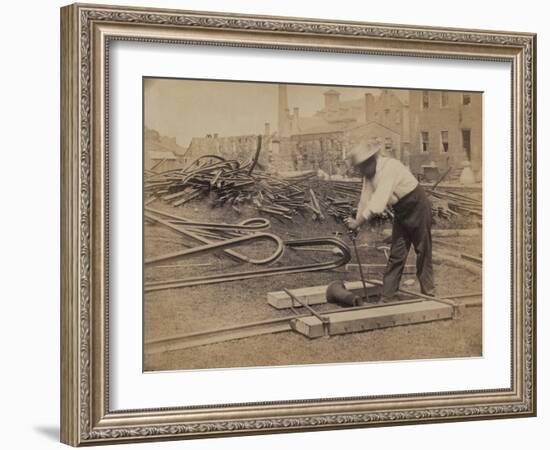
x=87, y=31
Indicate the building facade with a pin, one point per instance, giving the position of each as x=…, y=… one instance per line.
x=446, y=130
x=316, y=142
x=161, y=152
x=242, y=148
x=423, y=129
x=420, y=128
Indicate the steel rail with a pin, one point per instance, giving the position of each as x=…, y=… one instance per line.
x=445, y=300
x=305, y=305
x=252, y=224
x=227, y=243
x=344, y=258
x=197, y=237
x=208, y=168
x=251, y=329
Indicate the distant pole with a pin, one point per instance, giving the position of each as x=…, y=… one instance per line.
x=257, y=155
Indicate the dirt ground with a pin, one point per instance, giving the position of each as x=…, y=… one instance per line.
x=175, y=312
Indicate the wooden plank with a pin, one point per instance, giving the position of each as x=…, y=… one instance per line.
x=383, y=316
x=315, y=295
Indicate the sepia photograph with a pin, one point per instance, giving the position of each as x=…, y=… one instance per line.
x=293, y=224
x=278, y=224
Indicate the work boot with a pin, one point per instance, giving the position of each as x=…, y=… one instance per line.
x=393, y=299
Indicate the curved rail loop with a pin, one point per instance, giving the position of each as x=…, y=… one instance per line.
x=227, y=243
x=252, y=224
x=196, y=236
x=344, y=258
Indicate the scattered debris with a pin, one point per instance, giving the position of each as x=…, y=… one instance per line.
x=231, y=182
x=234, y=183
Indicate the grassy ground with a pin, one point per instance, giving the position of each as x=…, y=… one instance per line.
x=180, y=311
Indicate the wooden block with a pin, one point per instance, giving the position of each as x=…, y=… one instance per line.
x=382, y=316
x=316, y=295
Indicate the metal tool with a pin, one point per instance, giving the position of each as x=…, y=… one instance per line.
x=352, y=237
x=337, y=293
x=324, y=320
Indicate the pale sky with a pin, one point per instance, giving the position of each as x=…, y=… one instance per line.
x=193, y=108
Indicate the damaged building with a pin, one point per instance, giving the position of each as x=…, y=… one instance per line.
x=423, y=129
x=161, y=152
x=241, y=147
x=429, y=131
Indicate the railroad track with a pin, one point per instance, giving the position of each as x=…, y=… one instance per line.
x=269, y=326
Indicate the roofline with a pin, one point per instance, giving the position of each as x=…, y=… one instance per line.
x=377, y=123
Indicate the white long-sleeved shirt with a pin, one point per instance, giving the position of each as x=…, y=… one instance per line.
x=391, y=182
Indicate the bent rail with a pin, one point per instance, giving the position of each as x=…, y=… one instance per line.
x=344, y=258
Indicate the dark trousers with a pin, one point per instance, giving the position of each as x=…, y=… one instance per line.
x=412, y=224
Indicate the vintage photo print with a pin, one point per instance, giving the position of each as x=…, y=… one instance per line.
x=291, y=224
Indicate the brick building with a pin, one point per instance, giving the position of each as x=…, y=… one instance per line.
x=241, y=147
x=421, y=128
x=161, y=152
x=446, y=129
x=318, y=141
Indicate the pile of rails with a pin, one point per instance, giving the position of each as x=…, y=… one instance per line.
x=233, y=183
x=343, y=197
x=450, y=203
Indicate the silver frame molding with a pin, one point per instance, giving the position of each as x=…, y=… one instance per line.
x=86, y=33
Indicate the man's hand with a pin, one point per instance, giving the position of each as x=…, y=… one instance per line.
x=353, y=224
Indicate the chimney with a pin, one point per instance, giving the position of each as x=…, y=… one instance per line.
x=332, y=100
x=267, y=129
x=295, y=120
x=406, y=124
x=369, y=107
x=284, y=124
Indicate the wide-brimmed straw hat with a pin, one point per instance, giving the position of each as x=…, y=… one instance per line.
x=363, y=151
